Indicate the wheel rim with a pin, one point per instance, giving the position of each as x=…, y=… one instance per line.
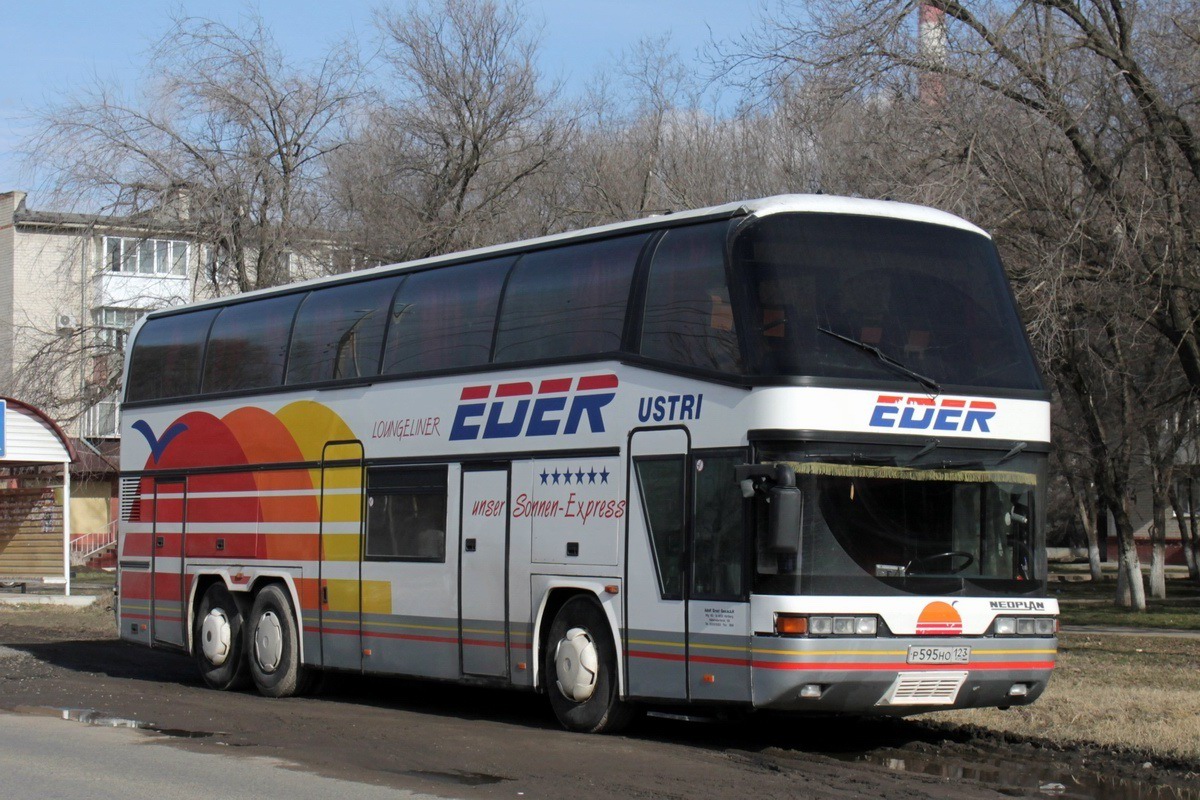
x=576, y=665
x=215, y=636
x=268, y=642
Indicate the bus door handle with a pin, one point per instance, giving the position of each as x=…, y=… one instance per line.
x=470, y=545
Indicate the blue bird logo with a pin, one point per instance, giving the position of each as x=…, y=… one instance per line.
x=158, y=445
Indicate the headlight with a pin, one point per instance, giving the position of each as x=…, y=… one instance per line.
x=1025, y=626
x=799, y=625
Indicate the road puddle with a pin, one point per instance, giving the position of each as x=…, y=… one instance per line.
x=1027, y=777
x=457, y=778
x=97, y=719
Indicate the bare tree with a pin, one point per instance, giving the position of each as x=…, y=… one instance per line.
x=1074, y=124
x=226, y=137
x=444, y=155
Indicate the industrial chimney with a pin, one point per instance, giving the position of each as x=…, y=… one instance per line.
x=931, y=43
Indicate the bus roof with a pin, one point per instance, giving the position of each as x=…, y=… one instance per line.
x=778, y=204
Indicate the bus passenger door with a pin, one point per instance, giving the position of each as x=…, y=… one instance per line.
x=656, y=664
x=340, y=567
x=167, y=612
x=718, y=594
x=483, y=572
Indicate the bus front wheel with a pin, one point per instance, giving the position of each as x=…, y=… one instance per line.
x=273, y=642
x=580, y=669
x=218, y=640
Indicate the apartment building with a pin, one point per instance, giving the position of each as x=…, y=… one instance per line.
x=71, y=286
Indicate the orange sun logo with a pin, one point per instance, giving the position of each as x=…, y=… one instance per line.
x=939, y=619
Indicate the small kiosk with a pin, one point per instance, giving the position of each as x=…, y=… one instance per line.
x=35, y=498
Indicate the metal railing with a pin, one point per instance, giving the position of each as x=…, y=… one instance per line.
x=86, y=545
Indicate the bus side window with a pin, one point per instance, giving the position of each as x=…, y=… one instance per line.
x=247, y=347
x=406, y=515
x=339, y=332
x=166, y=356
x=568, y=301
x=660, y=480
x=718, y=547
x=443, y=318
x=688, y=318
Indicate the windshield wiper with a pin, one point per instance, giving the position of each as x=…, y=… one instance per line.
x=884, y=358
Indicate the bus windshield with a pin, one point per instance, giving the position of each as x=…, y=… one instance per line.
x=878, y=520
x=871, y=298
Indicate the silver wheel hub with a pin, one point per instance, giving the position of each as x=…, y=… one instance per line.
x=216, y=636
x=268, y=642
x=576, y=665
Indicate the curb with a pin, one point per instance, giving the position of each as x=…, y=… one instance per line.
x=75, y=601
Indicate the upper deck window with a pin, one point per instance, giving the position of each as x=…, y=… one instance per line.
x=688, y=319
x=931, y=297
x=248, y=344
x=569, y=301
x=339, y=332
x=444, y=318
x=167, y=355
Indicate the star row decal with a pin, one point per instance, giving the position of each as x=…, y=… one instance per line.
x=578, y=477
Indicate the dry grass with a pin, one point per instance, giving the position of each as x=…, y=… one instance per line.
x=1116, y=691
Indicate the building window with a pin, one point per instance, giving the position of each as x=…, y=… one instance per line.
x=145, y=256
x=113, y=324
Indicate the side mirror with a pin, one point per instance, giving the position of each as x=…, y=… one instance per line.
x=785, y=503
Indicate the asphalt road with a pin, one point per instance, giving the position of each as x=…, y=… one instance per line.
x=373, y=737
x=45, y=757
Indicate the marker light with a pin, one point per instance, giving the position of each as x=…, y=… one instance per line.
x=791, y=625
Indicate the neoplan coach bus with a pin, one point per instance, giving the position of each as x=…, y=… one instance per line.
x=781, y=454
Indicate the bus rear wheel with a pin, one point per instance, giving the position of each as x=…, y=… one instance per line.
x=273, y=644
x=580, y=670
x=218, y=640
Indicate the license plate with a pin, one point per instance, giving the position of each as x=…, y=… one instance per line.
x=938, y=655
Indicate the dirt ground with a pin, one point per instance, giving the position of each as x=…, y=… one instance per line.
x=467, y=742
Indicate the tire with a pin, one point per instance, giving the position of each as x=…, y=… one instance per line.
x=580, y=669
x=273, y=645
x=217, y=640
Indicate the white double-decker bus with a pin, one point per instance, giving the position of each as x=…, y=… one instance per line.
x=782, y=454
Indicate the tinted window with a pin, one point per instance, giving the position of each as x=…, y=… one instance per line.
x=339, y=332
x=406, y=514
x=568, y=302
x=718, y=546
x=661, y=484
x=931, y=297
x=444, y=318
x=166, y=356
x=248, y=344
x=688, y=318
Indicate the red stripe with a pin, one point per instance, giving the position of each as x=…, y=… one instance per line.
x=514, y=389
x=475, y=392
x=920, y=401
x=983, y=404
x=554, y=386
x=954, y=403
x=597, y=382
x=889, y=398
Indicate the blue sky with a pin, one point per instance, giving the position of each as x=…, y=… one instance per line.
x=47, y=47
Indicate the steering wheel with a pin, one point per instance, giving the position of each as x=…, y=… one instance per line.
x=949, y=555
